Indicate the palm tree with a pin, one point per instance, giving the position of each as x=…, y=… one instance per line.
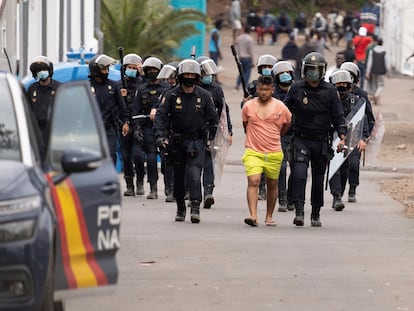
x=146, y=27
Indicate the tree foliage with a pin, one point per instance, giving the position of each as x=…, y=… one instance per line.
x=146, y=27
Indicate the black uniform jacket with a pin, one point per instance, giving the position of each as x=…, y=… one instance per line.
x=315, y=109
x=188, y=114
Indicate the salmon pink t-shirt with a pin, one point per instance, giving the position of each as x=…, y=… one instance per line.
x=263, y=135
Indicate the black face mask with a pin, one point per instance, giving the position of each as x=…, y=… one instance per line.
x=188, y=82
x=103, y=76
x=152, y=76
x=342, y=89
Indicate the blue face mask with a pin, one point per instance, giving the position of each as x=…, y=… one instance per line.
x=266, y=72
x=131, y=73
x=285, y=77
x=312, y=75
x=207, y=79
x=43, y=75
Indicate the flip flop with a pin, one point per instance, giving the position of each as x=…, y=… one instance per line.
x=251, y=222
x=270, y=223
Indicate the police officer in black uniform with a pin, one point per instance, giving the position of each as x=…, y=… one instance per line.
x=112, y=105
x=147, y=99
x=343, y=82
x=354, y=158
x=128, y=85
x=168, y=73
x=185, y=122
x=283, y=73
x=42, y=93
x=315, y=108
x=208, y=69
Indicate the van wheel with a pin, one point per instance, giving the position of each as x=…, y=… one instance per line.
x=47, y=303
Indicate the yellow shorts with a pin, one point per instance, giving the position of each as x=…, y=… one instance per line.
x=256, y=163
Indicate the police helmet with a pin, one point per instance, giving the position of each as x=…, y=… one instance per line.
x=265, y=60
x=152, y=62
x=99, y=62
x=341, y=76
x=41, y=63
x=282, y=66
x=313, y=60
x=353, y=70
x=189, y=66
x=208, y=66
x=166, y=71
x=132, y=58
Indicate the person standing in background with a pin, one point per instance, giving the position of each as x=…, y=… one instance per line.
x=244, y=46
x=361, y=41
x=377, y=69
x=215, y=43
x=235, y=18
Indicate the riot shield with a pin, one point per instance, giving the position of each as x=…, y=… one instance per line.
x=220, y=147
x=373, y=146
x=355, y=125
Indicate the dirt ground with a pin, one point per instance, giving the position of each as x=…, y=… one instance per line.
x=398, y=142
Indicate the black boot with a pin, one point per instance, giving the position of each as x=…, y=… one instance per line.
x=337, y=203
x=282, y=201
x=170, y=194
x=300, y=215
x=153, y=192
x=352, y=194
x=129, y=192
x=208, y=196
x=315, y=219
x=181, y=210
x=195, y=211
x=140, y=187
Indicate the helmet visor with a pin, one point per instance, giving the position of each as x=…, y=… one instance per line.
x=166, y=72
x=209, y=67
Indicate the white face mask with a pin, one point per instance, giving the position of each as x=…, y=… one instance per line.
x=43, y=75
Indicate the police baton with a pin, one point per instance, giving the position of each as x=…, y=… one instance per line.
x=193, y=52
x=121, y=60
x=140, y=117
x=241, y=71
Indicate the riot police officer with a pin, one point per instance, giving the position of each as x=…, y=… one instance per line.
x=128, y=85
x=315, y=108
x=185, y=122
x=110, y=101
x=168, y=73
x=208, y=69
x=147, y=99
x=343, y=82
x=283, y=75
x=354, y=160
x=42, y=93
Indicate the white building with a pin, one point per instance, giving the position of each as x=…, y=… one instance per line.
x=46, y=27
x=397, y=32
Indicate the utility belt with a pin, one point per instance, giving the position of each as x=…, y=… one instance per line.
x=194, y=135
x=311, y=137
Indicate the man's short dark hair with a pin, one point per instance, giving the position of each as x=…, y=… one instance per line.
x=265, y=80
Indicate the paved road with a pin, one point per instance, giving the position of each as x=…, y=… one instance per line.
x=361, y=259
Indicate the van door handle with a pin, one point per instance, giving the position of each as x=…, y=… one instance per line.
x=110, y=188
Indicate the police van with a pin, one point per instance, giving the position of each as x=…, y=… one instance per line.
x=60, y=204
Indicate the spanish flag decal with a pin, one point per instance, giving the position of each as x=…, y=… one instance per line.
x=79, y=262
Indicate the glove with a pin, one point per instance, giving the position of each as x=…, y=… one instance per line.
x=162, y=143
x=139, y=136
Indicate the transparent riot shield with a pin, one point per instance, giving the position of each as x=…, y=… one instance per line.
x=355, y=125
x=373, y=146
x=220, y=147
